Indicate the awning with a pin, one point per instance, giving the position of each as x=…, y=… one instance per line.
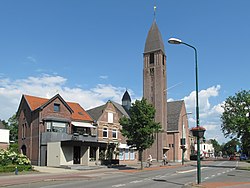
x=82, y=124
x=123, y=146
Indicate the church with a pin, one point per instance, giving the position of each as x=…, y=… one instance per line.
x=171, y=115
x=54, y=132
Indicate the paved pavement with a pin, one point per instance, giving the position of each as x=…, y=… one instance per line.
x=83, y=172
x=241, y=166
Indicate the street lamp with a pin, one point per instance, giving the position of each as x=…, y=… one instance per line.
x=183, y=140
x=178, y=41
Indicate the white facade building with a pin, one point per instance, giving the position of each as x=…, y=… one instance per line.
x=206, y=149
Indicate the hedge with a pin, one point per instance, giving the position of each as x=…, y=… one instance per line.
x=12, y=168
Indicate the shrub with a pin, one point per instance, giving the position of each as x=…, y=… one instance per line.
x=9, y=157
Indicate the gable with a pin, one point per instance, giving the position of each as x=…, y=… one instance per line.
x=70, y=109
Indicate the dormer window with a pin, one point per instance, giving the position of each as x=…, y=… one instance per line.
x=56, y=107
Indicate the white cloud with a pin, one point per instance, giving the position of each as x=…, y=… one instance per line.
x=103, y=77
x=31, y=59
x=49, y=85
x=209, y=114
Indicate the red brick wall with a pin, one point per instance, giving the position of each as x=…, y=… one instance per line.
x=34, y=122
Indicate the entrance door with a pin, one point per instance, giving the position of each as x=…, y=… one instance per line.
x=77, y=156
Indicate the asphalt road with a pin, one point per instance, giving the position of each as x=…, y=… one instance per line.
x=162, y=177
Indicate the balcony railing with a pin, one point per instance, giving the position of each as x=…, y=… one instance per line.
x=57, y=137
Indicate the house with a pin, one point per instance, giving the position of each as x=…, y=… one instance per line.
x=177, y=131
x=4, y=138
x=206, y=149
x=53, y=132
x=107, y=117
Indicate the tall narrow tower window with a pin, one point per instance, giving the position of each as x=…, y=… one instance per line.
x=163, y=58
x=152, y=72
x=151, y=58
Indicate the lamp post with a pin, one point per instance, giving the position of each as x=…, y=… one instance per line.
x=178, y=41
x=183, y=141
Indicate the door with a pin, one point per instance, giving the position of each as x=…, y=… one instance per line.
x=77, y=155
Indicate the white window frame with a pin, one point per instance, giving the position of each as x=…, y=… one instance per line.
x=105, y=129
x=110, y=117
x=114, y=131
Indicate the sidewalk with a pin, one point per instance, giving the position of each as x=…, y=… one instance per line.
x=83, y=172
x=76, y=172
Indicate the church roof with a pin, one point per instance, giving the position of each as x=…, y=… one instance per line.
x=126, y=96
x=154, y=40
x=174, y=111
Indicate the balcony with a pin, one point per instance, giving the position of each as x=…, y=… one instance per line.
x=57, y=137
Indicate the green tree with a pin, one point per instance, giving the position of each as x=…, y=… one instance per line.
x=217, y=147
x=235, y=118
x=5, y=123
x=140, y=127
x=13, y=127
x=230, y=147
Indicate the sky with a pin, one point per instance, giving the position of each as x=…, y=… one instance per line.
x=91, y=51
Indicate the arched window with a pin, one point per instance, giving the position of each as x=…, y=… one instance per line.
x=23, y=149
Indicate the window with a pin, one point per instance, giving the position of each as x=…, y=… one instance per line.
x=105, y=132
x=121, y=154
x=59, y=127
x=56, y=107
x=48, y=126
x=204, y=147
x=163, y=58
x=56, y=126
x=110, y=117
x=151, y=71
x=132, y=154
x=151, y=58
x=114, y=133
x=126, y=154
x=23, y=130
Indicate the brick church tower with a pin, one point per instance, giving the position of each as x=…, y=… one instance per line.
x=154, y=87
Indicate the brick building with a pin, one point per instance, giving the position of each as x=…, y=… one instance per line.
x=171, y=116
x=107, y=117
x=54, y=132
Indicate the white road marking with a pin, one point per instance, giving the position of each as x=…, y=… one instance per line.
x=181, y=172
x=136, y=181
x=119, y=185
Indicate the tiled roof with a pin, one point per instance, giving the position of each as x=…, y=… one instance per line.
x=35, y=102
x=96, y=112
x=174, y=110
x=78, y=112
x=120, y=108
